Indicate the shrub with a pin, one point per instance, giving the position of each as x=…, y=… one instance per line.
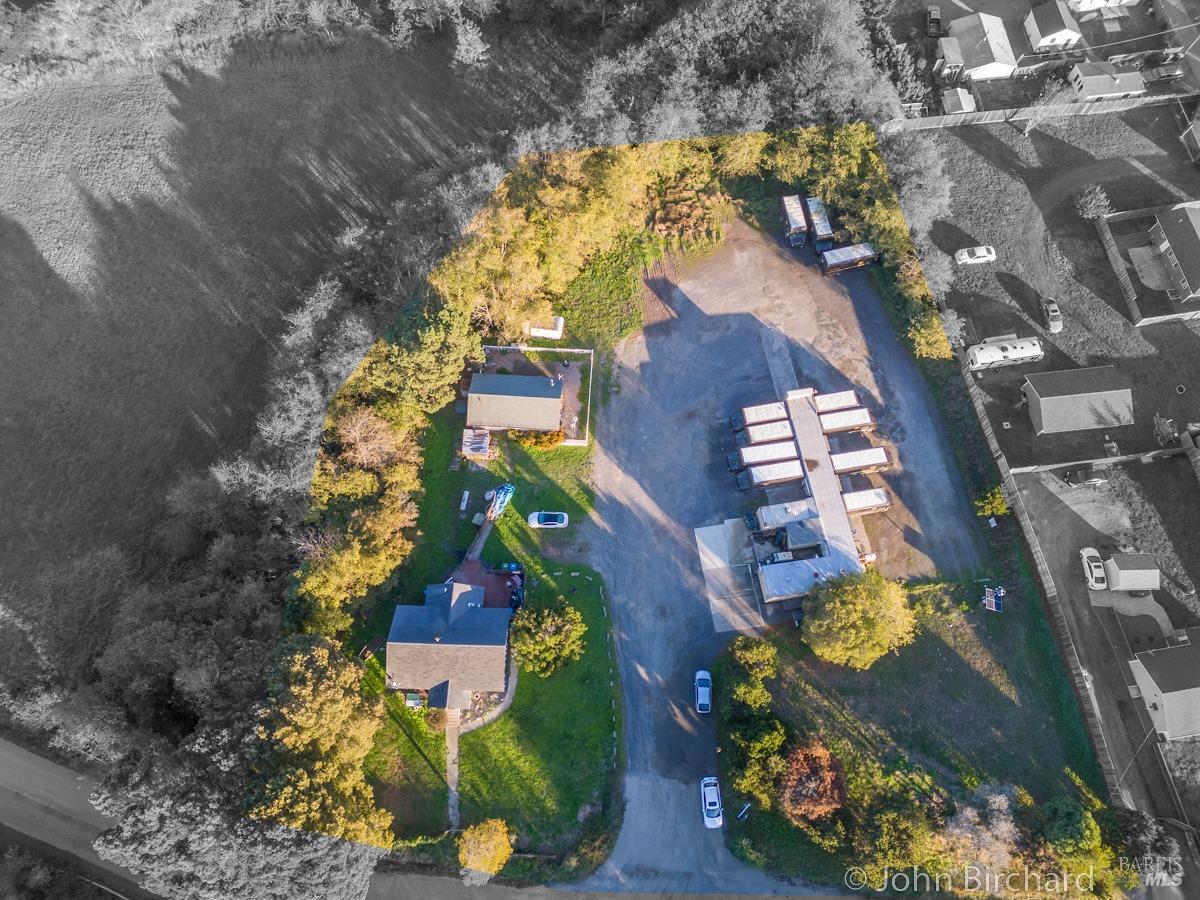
x=813, y=786
x=1092, y=203
x=894, y=835
x=759, y=762
x=759, y=658
x=1069, y=829
x=538, y=440
x=992, y=503
x=483, y=849
x=545, y=640
x=855, y=619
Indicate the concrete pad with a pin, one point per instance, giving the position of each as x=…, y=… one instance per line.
x=724, y=545
x=1150, y=270
x=1127, y=605
x=733, y=600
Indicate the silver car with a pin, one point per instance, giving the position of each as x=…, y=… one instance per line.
x=971, y=256
x=710, y=802
x=1093, y=569
x=1053, y=315
x=703, y=686
x=548, y=520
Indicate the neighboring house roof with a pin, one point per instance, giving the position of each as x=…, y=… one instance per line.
x=1053, y=17
x=1098, y=79
x=949, y=50
x=1078, y=399
x=1181, y=226
x=523, y=402
x=957, y=100
x=452, y=645
x=1175, y=673
x=983, y=41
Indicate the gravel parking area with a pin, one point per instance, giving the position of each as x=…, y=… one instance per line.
x=660, y=473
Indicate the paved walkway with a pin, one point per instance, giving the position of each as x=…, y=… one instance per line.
x=453, y=719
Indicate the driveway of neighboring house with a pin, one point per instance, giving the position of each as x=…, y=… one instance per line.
x=660, y=473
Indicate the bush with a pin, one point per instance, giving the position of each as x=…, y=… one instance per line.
x=483, y=849
x=1092, y=203
x=993, y=503
x=545, y=640
x=1069, y=829
x=538, y=440
x=813, y=786
x=855, y=619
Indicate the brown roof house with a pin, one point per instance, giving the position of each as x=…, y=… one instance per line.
x=451, y=646
x=1176, y=234
x=1078, y=399
x=1169, y=682
x=521, y=402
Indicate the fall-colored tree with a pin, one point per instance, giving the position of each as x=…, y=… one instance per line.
x=855, y=619
x=813, y=786
x=992, y=502
x=484, y=848
x=367, y=441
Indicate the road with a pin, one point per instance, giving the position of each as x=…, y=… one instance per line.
x=660, y=472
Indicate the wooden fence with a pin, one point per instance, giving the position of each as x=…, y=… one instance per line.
x=1023, y=113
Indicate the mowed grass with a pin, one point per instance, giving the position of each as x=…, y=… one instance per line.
x=550, y=765
x=407, y=765
x=154, y=229
x=974, y=700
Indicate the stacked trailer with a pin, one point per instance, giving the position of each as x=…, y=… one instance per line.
x=838, y=400
x=856, y=419
x=757, y=454
x=757, y=415
x=872, y=459
x=866, y=501
x=765, y=433
x=771, y=473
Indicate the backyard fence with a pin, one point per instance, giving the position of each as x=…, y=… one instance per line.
x=1023, y=113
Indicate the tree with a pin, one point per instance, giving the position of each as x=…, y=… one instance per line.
x=483, y=849
x=992, y=503
x=1092, y=203
x=314, y=735
x=545, y=640
x=759, y=658
x=1055, y=94
x=1069, y=829
x=759, y=762
x=855, y=619
x=955, y=327
x=895, y=834
x=470, y=49
x=367, y=440
x=1144, y=835
x=813, y=786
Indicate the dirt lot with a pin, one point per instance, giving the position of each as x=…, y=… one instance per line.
x=153, y=229
x=1016, y=193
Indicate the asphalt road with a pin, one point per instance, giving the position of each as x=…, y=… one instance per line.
x=660, y=473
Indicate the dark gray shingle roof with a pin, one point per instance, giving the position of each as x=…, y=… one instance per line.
x=1078, y=382
x=1130, y=562
x=524, y=402
x=1052, y=17
x=1181, y=225
x=1175, y=668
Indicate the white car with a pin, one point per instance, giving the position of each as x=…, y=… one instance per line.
x=548, y=520
x=1093, y=569
x=710, y=802
x=970, y=256
x=703, y=686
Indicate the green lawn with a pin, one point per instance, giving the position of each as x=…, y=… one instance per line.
x=556, y=752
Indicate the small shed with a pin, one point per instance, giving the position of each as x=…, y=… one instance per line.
x=949, y=58
x=1102, y=81
x=957, y=100
x=1078, y=399
x=522, y=402
x=1051, y=27
x=1132, y=572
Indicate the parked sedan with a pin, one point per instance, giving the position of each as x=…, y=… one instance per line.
x=1084, y=475
x=972, y=256
x=1163, y=74
x=703, y=685
x=1053, y=315
x=1093, y=569
x=933, y=21
x=710, y=802
x=548, y=520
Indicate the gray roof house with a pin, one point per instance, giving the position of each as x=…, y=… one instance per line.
x=451, y=646
x=1078, y=399
x=1169, y=682
x=1176, y=234
x=984, y=44
x=1050, y=26
x=1102, y=80
x=523, y=402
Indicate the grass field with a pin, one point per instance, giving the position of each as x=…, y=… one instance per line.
x=550, y=765
x=153, y=230
x=974, y=700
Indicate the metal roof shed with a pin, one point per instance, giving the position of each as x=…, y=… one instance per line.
x=523, y=402
x=1078, y=399
x=957, y=100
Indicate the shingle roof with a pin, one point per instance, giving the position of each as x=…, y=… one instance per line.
x=1100, y=78
x=1052, y=17
x=1078, y=399
x=525, y=402
x=1175, y=668
x=1078, y=382
x=1181, y=225
x=983, y=40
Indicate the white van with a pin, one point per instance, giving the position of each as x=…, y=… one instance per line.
x=1005, y=350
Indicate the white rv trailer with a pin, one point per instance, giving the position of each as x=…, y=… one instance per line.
x=827, y=403
x=771, y=473
x=756, y=415
x=769, y=431
x=866, y=501
x=870, y=460
x=842, y=258
x=857, y=419
x=757, y=454
x=1004, y=350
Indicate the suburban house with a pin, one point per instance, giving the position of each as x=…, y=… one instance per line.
x=1051, y=27
x=1176, y=234
x=956, y=100
x=986, y=51
x=1190, y=138
x=452, y=646
x=1102, y=81
x=521, y=402
x=1078, y=399
x=1090, y=5
x=1169, y=682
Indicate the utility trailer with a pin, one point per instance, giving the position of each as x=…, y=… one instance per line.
x=872, y=459
x=757, y=415
x=795, y=225
x=820, y=229
x=1004, y=350
x=771, y=473
x=866, y=501
x=765, y=433
x=857, y=419
x=843, y=258
x=757, y=454
x=827, y=403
